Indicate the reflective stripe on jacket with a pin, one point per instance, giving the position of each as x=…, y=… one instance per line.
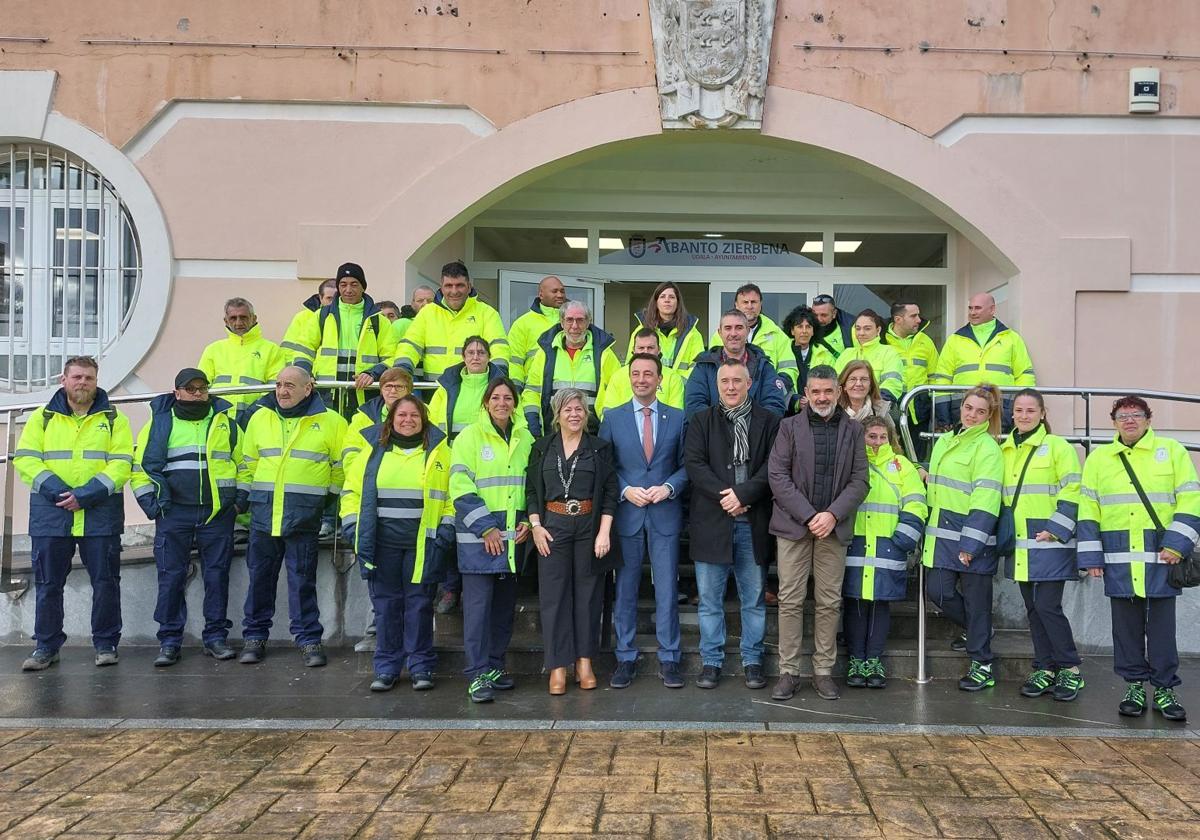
x=679, y=348
x=91, y=456
x=1049, y=501
x=552, y=369
x=186, y=462
x=240, y=360
x=290, y=466
x=385, y=488
x=918, y=354
x=1001, y=360
x=887, y=527
x=487, y=486
x=618, y=390
x=446, y=410
x=435, y=339
x=317, y=346
x=1115, y=531
x=966, y=475
x=523, y=337
x=885, y=363
x=370, y=413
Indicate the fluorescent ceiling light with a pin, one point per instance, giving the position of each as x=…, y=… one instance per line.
x=813, y=246
x=607, y=243
x=714, y=235
x=841, y=246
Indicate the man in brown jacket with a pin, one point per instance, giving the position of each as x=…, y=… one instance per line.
x=818, y=474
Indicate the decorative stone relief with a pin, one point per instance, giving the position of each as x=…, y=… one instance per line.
x=711, y=57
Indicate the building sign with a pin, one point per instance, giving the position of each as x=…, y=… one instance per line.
x=705, y=252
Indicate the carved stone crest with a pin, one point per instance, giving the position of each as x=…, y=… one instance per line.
x=711, y=57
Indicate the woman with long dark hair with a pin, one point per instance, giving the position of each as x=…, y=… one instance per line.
x=679, y=335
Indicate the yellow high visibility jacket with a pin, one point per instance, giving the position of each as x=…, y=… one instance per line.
x=887, y=527
x=552, y=369
x=393, y=496
x=187, y=462
x=523, y=337
x=370, y=413
x=885, y=362
x=317, y=346
x=455, y=403
x=487, y=486
x=777, y=347
x=1115, y=531
x=90, y=456
x=966, y=475
x=290, y=466
x=238, y=360
x=617, y=391
x=434, y=342
x=1001, y=360
x=918, y=353
x=1049, y=501
x=679, y=347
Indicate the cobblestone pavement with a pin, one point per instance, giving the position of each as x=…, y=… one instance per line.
x=70, y=783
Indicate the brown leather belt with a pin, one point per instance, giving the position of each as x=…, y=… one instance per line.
x=571, y=507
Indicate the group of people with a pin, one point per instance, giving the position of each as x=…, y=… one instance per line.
x=537, y=445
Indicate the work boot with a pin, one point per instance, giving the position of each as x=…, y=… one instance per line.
x=668, y=672
x=1039, y=682
x=876, y=675
x=825, y=687
x=446, y=603
x=40, y=660
x=383, y=682
x=978, y=677
x=753, y=675
x=710, y=676
x=1167, y=705
x=786, y=687
x=480, y=690
x=106, y=656
x=1134, y=702
x=219, y=650
x=421, y=681
x=366, y=644
x=253, y=651
x=168, y=655
x=313, y=655
x=856, y=677
x=500, y=679
x=1067, y=685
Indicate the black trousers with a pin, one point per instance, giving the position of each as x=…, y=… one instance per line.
x=970, y=609
x=866, y=625
x=1053, y=642
x=1144, y=640
x=488, y=603
x=570, y=594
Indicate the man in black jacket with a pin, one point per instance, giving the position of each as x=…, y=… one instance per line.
x=725, y=454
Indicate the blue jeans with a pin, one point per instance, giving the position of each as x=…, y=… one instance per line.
x=52, y=557
x=174, y=534
x=711, y=580
x=264, y=557
x=664, y=563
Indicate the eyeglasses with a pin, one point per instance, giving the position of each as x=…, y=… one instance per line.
x=1133, y=415
x=820, y=299
x=195, y=389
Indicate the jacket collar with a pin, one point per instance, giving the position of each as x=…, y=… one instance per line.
x=165, y=402
x=1147, y=442
x=441, y=301
x=312, y=303
x=1036, y=439
x=368, y=305
x=545, y=311
x=252, y=336
x=317, y=406
x=967, y=331
x=599, y=339
x=59, y=405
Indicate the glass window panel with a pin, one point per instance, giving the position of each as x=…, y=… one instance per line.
x=543, y=245
x=521, y=294
x=710, y=248
x=854, y=298
x=890, y=250
x=776, y=305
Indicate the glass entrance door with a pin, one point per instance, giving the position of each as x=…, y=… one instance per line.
x=779, y=298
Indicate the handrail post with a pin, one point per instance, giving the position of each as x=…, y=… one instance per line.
x=922, y=671
x=7, y=584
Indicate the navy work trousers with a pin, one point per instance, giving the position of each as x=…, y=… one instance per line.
x=265, y=557
x=971, y=609
x=403, y=614
x=52, y=557
x=866, y=624
x=488, y=604
x=1053, y=641
x=1144, y=641
x=174, y=535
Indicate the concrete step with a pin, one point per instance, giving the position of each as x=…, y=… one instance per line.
x=1012, y=648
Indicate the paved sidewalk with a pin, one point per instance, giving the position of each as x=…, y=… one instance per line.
x=281, y=785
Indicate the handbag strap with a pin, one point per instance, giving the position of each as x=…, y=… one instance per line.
x=1021, y=478
x=1137, y=485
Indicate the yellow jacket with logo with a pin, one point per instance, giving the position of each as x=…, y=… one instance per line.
x=618, y=390
x=887, y=527
x=1115, y=531
x=966, y=475
x=1049, y=501
x=239, y=360
x=435, y=340
x=885, y=363
x=918, y=353
x=552, y=369
x=290, y=466
x=315, y=341
x=523, y=337
x=1001, y=360
x=679, y=347
x=90, y=456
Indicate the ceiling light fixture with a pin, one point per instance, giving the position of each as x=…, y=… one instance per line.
x=607, y=243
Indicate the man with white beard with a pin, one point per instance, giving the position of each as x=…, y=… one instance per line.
x=818, y=475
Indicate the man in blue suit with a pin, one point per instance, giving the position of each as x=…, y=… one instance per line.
x=647, y=440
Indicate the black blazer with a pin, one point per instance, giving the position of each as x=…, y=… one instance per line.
x=604, y=491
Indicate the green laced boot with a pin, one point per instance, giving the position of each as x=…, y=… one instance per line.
x=876, y=676
x=1067, y=685
x=1167, y=704
x=1038, y=683
x=978, y=677
x=1134, y=704
x=480, y=690
x=855, y=676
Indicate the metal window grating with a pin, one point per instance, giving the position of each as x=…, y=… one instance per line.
x=70, y=264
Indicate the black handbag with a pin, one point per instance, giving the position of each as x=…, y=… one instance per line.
x=1182, y=575
x=1006, y=525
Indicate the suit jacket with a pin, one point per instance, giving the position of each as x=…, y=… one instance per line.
x=708, y=457
x=792, y=469
x=620, y=428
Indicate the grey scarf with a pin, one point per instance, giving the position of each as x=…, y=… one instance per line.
x=739, y=418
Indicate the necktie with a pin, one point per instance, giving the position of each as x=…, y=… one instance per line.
x=647, y=434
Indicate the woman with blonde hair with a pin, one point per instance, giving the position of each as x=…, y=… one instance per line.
x=860, y=394
x=965, y=484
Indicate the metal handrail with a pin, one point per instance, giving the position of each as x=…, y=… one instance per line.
x=1086, y=439
x=13, y=412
